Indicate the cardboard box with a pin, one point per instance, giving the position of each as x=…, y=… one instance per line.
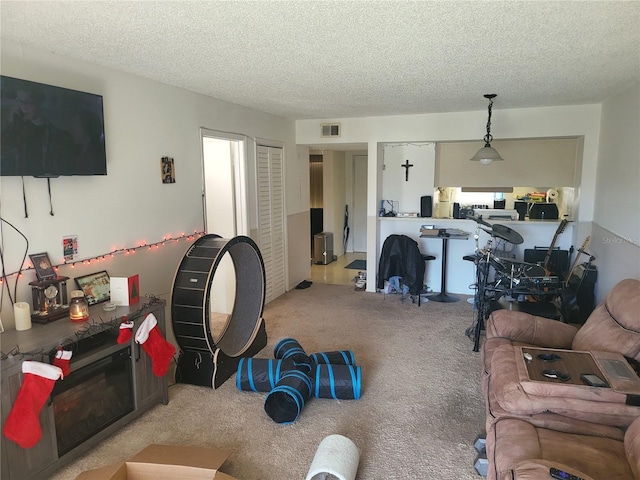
x=125, y=290
x=166, y=462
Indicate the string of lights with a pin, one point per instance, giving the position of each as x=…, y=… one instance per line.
x=90, y=328
x=111, y=254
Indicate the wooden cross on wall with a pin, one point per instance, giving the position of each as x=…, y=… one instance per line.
x=406, y=165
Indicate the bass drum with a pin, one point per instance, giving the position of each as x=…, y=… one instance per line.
x=520, y=270
x=531, y=270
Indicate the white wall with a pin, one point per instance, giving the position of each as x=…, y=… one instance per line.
x=144, y=121
x=395, y=185
x=615, y=239
x=539, y=162
x=546, y=122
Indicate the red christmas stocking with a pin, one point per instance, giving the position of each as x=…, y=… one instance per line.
x=152, y=341
x=126, y=331
x=23, y=423
x=62, y=359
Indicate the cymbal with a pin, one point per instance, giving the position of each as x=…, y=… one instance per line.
x=506, y=233
x=500, y=231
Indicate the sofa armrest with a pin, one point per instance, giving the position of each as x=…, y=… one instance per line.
x=537, y=468
x=530, y=329
x=632, y=447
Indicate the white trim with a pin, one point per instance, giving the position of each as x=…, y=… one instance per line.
x=149, y=323
x=124, y=325
x=42, y=369
x=64, y=354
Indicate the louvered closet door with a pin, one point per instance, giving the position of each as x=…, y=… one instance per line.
x=271, y=218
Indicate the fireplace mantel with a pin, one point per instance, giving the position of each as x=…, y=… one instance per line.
x=91, y=342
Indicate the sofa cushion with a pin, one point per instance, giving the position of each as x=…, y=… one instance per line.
x=509, y=384
x=632, y=446
x=526, y=328
x=537, y=469
x=614, y=326
x=518, y=441
x=488, y=348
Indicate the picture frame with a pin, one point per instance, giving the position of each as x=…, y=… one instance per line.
x=42, y=266
x=167, y=170
x=95, y=286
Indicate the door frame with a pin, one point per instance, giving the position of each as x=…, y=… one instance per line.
x=239, y=167
x=352, y=213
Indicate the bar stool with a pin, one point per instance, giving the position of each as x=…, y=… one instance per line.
x=425, y=258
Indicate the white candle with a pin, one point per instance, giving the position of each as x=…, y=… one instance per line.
x=22, y=315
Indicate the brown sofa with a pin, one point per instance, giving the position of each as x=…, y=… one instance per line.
x=521, y=451
x=555, y=413
x=614, y=326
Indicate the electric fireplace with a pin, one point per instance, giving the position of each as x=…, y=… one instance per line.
x=92, y=398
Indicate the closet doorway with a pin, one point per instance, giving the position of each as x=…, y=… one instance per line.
x=271, y=219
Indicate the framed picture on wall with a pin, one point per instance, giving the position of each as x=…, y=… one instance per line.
x=96, y=287
x=42, y=265
x=167, y=170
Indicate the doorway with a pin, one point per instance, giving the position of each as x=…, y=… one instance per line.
x=343, y=184
x=225, y=212
x=271, y=217
x=224, y=168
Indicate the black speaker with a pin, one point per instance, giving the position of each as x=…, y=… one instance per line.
x=456, y=210
x=426, y=206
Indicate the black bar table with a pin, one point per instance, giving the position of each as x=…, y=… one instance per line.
x=443, y=296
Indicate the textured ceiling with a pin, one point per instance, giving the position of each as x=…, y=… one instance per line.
x=317, y=59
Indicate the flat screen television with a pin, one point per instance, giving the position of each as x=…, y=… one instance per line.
x=48, y=131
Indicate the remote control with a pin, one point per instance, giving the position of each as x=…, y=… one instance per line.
x=562, y=475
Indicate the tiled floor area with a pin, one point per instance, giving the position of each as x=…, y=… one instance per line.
x=335, y=273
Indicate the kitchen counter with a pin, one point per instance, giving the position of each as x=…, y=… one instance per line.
x=461, y=276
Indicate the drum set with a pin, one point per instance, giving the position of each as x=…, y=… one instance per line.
x=498, y=277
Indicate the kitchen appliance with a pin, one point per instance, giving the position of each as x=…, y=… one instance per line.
x=543, y=211
x=426, y=206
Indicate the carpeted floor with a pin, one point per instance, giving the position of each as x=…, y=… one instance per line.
x=357, y=265
x=420, y=411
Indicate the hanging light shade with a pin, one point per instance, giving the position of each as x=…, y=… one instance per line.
x=487, y=154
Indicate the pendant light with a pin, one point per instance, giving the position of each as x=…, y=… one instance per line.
x=487, y=154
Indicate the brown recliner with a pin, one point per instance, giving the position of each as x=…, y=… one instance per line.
x=521, y=451
x=589, y=412
x=614, y=326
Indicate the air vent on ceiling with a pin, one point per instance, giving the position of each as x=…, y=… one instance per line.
x=330, y=129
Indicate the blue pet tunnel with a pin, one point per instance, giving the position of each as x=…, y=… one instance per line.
x=340, y=382
x=285, y=402
x=340, y=357
x=261, y=374
x=290, y=348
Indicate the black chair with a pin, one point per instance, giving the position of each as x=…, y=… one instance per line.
x=401, y=257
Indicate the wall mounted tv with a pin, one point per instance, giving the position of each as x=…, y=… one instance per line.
x=50, y=131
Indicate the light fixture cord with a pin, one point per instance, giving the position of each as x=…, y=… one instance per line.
x=488, y=137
